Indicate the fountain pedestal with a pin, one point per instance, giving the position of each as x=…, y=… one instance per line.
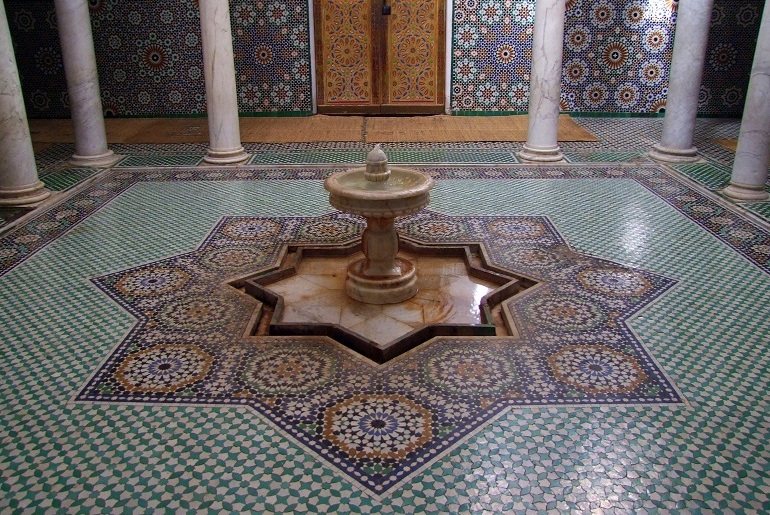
x=380, y=194
x=381, y=277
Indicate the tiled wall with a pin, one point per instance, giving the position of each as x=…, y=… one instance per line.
x=732, y=39
x=616, y=55
x=150, y=60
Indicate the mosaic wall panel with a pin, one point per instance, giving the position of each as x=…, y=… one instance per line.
x=150, y=59
x=38, y=57
x=491, y=55
x=616, y=55
x=271, y=42
x=733, y=36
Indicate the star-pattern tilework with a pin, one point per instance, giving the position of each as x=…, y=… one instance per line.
x=708, y=332
x=616, y=57
x=379, y=425
x=150, y=57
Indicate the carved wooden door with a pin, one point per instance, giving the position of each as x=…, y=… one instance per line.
x=371, y=62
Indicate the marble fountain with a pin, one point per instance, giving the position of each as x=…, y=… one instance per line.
x=380, y=193
x=368, y=294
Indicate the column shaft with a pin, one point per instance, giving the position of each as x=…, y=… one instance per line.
x=545, y=83
x=689, y=56
x=19, y=183
x=219, y=73
x=77, y=47
x=753, y=155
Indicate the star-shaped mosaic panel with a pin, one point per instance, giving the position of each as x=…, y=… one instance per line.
x=379, y=424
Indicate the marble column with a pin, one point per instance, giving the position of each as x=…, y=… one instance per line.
x=753, y=154
x=219, y=72
x=545, y=83
x=689, y=56
x=77, y=48
x=19, y=184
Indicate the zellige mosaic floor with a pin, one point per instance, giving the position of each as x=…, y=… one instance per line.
x=646, y=279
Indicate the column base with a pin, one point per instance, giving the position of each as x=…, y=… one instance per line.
x=541, y=155
x=105, y=160
x=673, y=155
x=226, y=157
x=746, y=193
x=30, y=196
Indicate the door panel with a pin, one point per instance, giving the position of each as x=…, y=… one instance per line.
x=370, y=63
x=414, y=54
x=345, y=67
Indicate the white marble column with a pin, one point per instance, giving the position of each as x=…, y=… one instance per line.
x=545, y=83
x=219, y=72
x=753, y=154
x=19, y=184
x=689, y=56
x=77, y=48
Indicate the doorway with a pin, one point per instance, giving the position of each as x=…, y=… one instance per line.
x=380, y=56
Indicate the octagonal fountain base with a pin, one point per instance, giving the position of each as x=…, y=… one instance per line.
x=460, y=294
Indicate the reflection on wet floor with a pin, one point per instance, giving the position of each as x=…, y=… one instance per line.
x=446, y=294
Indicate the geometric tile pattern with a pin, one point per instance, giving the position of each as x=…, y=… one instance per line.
x=161, y=160
x=439, y=154
x=491, y=55
x=710, y=455
x=619, y=133
x=741, y=235
x=708, y=130
x=61, y=180
x=52, y=158
x=729, y=56
x=150, y=57
x=271, y=46
x=616, y=57
x=761, y=209
x=159, y=148
x=292, y=157
x=712, y=175
x=378, y=425
x=605, y=157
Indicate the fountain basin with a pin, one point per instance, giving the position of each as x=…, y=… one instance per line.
x=403, y=193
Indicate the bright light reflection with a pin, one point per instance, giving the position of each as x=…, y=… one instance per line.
x=659, y=10
x=478, y=293
x=635, y=238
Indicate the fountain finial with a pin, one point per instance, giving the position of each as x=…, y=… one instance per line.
x=377, y=165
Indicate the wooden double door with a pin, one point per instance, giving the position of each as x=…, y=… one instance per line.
x=380, y=56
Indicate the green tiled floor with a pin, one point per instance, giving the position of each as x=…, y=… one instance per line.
x=761, y=209
x=605, y=157
x=438, y=155
x=714, y=176
x=61, y=180
x=709, y=333
x=161, y=160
